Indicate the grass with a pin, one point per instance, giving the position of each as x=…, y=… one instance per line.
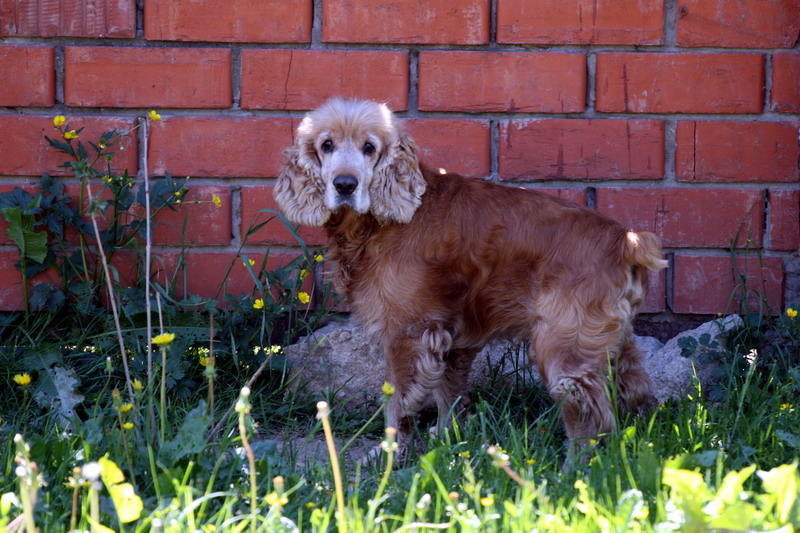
x=690, y=465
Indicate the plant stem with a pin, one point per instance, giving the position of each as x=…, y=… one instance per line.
x=163, y=420
x=323, y=410
x=243, y=407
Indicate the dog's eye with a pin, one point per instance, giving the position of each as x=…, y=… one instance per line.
x=368, y=149
x=327, y=146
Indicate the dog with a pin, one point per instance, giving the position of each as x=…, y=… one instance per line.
x=435, y=265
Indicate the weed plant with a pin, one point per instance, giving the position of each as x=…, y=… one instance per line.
x=184, y=436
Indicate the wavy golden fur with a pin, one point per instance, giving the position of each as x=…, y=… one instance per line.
x=436, y=265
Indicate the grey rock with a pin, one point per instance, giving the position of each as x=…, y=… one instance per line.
x=672, y=373
x=341, y=358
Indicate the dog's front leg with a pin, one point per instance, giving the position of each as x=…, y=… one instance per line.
x=415, y=366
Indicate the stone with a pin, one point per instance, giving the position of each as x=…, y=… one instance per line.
x=672, y=374
x=342, y=359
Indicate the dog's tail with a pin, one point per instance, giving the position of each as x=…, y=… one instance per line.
x=644, y=249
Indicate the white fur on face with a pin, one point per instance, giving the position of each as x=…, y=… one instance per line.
x=348, y=158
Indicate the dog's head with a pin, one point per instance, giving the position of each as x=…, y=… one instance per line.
x=350, y=154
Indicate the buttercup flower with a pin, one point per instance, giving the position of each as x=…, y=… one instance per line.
x=791, y=313
x=217, y=201
x=137, y=385
x=23, y=380
x=388, y=388
x=164, y=339
x=251, y=261
x=204, y=361
x=71, y=134
x=125, y=407
x=303, y=297
x=128, y=425
x=258, y=304
x=59, y=121
x=486, y=501
x=153, y=115
x=786, y=406
x=303, y=273
x=273, y=498
x=318, y=258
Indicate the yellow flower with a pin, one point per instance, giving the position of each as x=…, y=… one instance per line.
x=303, y=273
x=791, y=313
x=318, y=258
x=786, y=406
x=153, y=115
x=531, y=462
x=23, y=380
x=465, y=454
x=216, y=200
x=252, y=262
x=486, y=501
x=310, y=505
x=592, y=442
x=59, y=121
x=303, y=297
x=164, y=339
x=273, y=499
x=274, y=349
x=210, y=527
x=127, y=425
x=71, y=134
x=125, y=407
x=388, y=388
x=258, y=304
x=137, y=385
x=204, y=361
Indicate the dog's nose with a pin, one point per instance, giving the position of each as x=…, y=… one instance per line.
x=345, y=183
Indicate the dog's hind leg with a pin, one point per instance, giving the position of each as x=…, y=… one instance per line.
x=634, y=388
x=574, y=363
x=452, y=393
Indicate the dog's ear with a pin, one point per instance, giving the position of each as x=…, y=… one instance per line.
x=397, y=187
x=299, y=190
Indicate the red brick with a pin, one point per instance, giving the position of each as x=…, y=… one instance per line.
x=655, y=300
x=258, y=21
x=581, y=149
x=784, y=220
x=740, y=24
x=11, y=292
x=785, y=84
x=206, y=224
x=577, y=196
x=545, y=82
x=26, y=153
x=28, y=74
x=713, y=284
x=580, y=22
x=206, y=271
x=737, y=151
x=220, y=146
x=697, y=218
x=164, y=267
x=460, y=146
x=304, y=79
x=680, y=83
x=406, y=21
x=147, y=77
x=68, y=18
x=257, y=197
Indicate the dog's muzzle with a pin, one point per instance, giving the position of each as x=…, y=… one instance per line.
x=345, y=184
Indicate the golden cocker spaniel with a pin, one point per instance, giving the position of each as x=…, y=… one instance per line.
x=435, y=265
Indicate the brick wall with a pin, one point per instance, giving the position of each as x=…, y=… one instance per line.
x=680, y=117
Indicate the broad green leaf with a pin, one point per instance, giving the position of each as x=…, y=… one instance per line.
x=781, y=482
x=129, y=506
x=110, y=472
x=32, y=245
